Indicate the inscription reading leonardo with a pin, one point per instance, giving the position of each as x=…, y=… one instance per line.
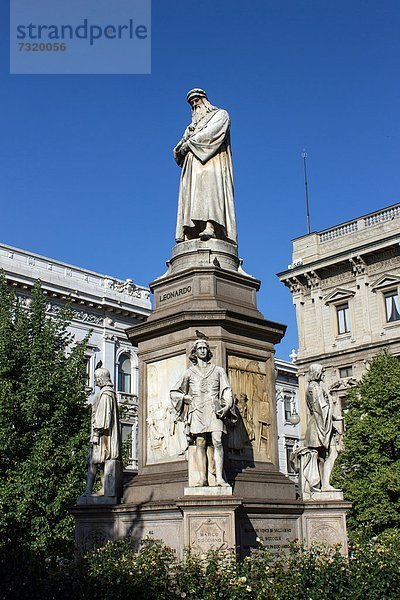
x=175, y=293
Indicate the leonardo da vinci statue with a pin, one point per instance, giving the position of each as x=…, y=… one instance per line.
x=205, y=206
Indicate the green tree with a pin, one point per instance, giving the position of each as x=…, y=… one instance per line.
x=44, y=425
x=369, y=468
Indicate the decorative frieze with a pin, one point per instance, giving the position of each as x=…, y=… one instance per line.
x=383, y=265
x=80, y=315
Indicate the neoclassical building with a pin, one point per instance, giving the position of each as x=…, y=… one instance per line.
x=103, y=305
x=345, y=286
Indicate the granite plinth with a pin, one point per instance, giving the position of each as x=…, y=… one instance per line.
x=208, y=491
x=93, y=500
x=219, y=522
x=324, y=521
x=322, y=495
x=196, y=253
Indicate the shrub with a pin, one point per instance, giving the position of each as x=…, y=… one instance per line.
x=117, y=571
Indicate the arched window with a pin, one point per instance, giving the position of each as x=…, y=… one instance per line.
x=124, y=374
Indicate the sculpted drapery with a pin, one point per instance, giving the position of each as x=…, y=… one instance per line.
x=105, y=437
x=206, y=185
x=322, y=444
x=105, y=440
x=319, y=428
x=210, y=390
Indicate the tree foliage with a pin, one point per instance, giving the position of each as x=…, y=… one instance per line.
x=44, y=424
x=117, y=571
x=369, y=468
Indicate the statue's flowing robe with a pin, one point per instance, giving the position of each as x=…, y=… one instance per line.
x=319, y=428
x=105, y=424
x=210, y=391
x=206, y=186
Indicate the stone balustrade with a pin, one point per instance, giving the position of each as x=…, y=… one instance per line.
x=335, y=232
x=369, y=220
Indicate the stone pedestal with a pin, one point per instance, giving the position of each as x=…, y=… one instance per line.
x=205, y=289
x=324, y=521
x=113, y=487
x=209, y=523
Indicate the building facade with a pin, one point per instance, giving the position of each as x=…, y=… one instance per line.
x=102, y=305
x=345, y=287
x=287, y=413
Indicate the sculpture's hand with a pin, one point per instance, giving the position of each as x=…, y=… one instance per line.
x=184, y=149
x=178, y=147
x=180, y=151
x=187, y=398
x=223, y=412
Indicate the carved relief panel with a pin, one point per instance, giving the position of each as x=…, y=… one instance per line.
x=165, y=435
x=250, y=438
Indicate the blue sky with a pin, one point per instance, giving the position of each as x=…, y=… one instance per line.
x=86, y=168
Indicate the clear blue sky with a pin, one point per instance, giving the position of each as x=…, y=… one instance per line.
x=87, y=174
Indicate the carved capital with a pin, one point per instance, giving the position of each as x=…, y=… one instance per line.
x=358, y=265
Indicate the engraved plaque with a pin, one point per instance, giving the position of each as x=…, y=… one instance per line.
x=327, y=531
x=209, y=536
x=275, y=534
x=209, y=530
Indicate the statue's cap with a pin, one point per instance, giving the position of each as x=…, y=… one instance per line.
x=195, y=92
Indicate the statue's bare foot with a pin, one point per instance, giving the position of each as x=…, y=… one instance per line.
x=330, y=488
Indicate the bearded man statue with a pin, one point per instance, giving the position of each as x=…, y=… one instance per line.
x=205, y=206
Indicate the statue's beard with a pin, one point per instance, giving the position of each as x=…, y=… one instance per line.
x=201, y=110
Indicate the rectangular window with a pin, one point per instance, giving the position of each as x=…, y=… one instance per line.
x=124, y=383
x=126, y=441
x=287, y=403
x=345, y=372
x=88, y=374
x=392, y=306
x=343, y=318
x=289, y=446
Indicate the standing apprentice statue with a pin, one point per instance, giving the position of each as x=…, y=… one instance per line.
x=205, y=206
x=203, y=398
x=105, y=442
x=322, y=444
